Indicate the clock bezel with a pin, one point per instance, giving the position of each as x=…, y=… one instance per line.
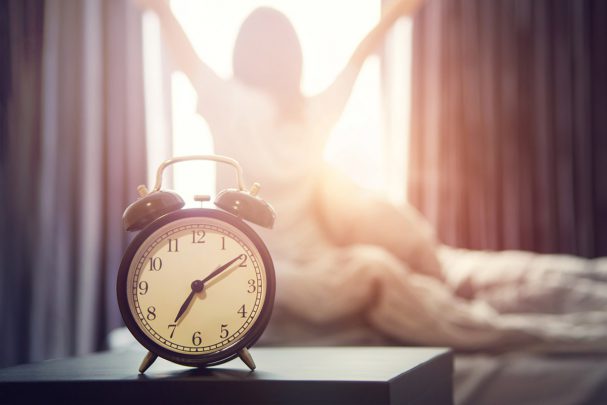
x=197, y=360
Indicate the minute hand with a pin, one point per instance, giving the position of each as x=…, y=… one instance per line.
x=198, y=286
x=221, y=269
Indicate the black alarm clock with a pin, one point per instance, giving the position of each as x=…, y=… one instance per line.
x=196, y=286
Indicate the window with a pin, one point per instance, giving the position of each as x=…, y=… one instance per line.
x=367, y=143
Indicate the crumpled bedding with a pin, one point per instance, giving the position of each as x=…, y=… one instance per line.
x=362, y=294
x=366, y=272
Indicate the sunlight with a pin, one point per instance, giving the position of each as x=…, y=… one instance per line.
x=328, y=39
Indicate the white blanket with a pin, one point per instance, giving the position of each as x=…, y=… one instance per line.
x=363, y=294
x=371, y=276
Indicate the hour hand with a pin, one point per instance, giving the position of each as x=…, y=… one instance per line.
x=185, y=305
x=197, y=286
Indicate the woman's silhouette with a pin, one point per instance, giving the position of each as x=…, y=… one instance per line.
x=261, y=118
x=347, y=260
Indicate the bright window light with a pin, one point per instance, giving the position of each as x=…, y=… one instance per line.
x=328, y=31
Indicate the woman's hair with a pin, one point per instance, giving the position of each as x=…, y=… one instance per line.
x=267, y=56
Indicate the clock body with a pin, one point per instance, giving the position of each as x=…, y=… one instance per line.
x=156, y=277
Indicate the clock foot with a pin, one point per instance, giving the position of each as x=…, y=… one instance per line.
x=245, y=356
x=147, y=362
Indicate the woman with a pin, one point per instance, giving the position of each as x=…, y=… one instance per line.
x=260, y=118
x=351, y=267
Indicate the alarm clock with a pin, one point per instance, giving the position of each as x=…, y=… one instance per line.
x=196, y=285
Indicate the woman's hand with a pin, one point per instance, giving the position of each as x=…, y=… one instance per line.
x=155, y=5
x=182, y=53
x=392, y=12
x=403, y=7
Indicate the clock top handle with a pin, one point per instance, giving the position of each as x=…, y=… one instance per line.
x=241, y=202
x=215, y=158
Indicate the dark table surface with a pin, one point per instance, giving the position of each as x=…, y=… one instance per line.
x=363, y=375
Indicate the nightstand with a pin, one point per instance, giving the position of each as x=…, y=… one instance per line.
x=285, y=375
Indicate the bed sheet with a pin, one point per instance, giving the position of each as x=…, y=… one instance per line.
x=523, y=378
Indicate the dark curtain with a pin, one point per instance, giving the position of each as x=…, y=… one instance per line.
x=21, y=25
x=509, y=124
x=73, y=152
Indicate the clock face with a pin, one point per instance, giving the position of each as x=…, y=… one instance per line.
x=197, y=285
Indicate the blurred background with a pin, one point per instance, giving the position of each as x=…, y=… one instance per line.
x=488, y=116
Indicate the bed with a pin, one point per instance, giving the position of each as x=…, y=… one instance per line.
x=527, y=328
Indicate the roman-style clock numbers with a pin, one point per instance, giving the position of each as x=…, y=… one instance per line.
x=196, y=286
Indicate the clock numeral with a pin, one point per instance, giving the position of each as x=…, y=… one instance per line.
x=252, y=288
x=242, y=311
x=155, y=263
x=173, y=245
x=196, y=338
x=143, y=287
x=173, y=325
x=243, y=263
x=223, y=243
x=151, y=313
x=198, y=237
x=224, y=331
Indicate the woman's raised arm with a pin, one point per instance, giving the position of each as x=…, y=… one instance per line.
x=331, y=102
x=393, y=12
x=205, y=80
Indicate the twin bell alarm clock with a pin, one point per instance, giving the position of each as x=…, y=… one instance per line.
x=196, y=286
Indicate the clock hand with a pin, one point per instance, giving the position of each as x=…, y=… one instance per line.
x=186, y=303
x=221, y=269
x=198, y=285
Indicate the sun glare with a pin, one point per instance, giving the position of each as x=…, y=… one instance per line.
x=329, y=32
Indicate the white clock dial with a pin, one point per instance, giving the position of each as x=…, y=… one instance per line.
x=160, y=277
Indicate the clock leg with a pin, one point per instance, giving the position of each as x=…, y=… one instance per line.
x=147, y=361
x=245, y=356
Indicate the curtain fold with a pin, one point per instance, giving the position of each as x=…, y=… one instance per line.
x=86, y=157
x=20, y=86
x=508, y=128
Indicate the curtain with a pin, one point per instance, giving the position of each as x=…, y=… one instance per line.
x=73, y=152
x=20, y=107
x=509, y=129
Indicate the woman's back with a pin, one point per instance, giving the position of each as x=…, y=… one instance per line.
x=283, y=155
